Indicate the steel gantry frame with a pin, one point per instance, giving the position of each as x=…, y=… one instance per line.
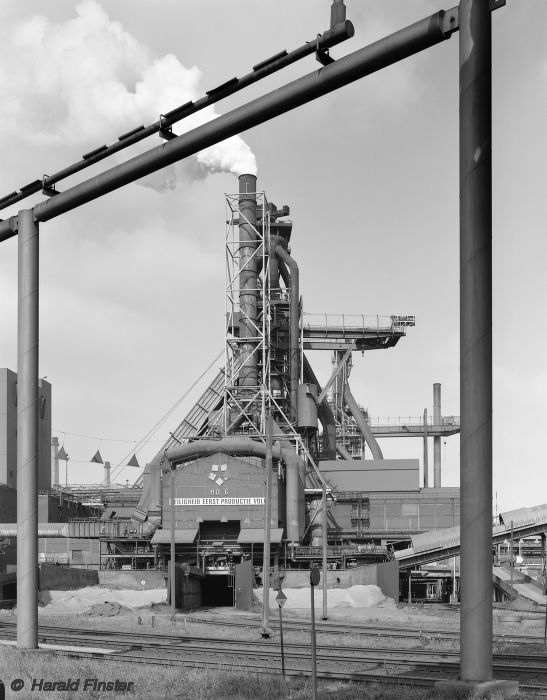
x=473, y=20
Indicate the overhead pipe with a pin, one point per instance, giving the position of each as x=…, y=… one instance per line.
x=43, y=529
x=362, y=424
x=370, y=59
x=248, y=281
x=294, y=325
x=340, y=30
x=325, y=413
x=203, y=448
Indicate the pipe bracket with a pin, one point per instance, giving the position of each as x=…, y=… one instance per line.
x=451, y=20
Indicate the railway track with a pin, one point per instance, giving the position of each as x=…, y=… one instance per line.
x=364, y=629
x=413, y=666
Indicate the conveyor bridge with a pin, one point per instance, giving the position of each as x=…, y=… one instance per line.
x=435, y=545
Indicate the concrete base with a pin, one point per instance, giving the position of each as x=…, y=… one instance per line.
x=481, y=689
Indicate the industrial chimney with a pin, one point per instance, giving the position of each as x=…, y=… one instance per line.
x=248, y=280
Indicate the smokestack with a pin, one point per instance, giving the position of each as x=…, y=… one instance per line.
x=55, y=460
x=107, y=473
x=437, y=438
x=248, y=279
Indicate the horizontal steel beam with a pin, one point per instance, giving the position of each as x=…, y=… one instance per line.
x=370, y=59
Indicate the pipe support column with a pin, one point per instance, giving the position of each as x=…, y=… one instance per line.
x=475, y=45
x=27, y=433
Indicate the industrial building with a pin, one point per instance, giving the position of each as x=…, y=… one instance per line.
x=206, y=490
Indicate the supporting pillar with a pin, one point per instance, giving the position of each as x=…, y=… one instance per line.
x=267, y=527
x=476, y=339
x=324, y=521
x=27, y=433
x=437, y=438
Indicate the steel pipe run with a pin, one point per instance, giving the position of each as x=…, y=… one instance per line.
x=368, y=60
x=248, y=281
x=294, y=327
x=339, y=31
x=27, y=433
x=475, y=46
x=362, y=424
x=437, y=438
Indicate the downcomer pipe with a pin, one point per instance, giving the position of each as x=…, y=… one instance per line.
x=248, y=281
x=294, y=323
x=370, y=59
x=476, y=339
x=27, y=433
x=325, y=413
x=363, y=426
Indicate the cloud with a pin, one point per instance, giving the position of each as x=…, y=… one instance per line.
x=87, y=80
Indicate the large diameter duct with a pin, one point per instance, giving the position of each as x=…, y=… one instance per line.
x=437, y=438
x=294, y=324
x=248, y=280
x=362, y=423
x=294, y=493
x=325, y=414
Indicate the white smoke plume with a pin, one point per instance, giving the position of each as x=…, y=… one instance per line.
x=87, y=80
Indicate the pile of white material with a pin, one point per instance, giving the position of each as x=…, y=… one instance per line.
x=80, y=600
x=352, y=597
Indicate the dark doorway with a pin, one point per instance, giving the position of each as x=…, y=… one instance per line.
x=216, y=530
x=216, y=591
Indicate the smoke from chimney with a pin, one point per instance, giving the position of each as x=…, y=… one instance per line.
x=87, y=80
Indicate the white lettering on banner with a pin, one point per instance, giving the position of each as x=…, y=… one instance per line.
x=233, y=501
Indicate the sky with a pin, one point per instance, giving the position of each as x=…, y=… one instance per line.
x=132, y=284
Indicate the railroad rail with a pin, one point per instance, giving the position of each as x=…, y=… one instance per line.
x=335, y=661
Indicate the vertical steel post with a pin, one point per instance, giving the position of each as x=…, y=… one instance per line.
x=27, y=432
x=324, y=519
x=172, y=572
x=267, y=526
x=313, y=648
x=475, y=47
x=426, y=461
x=281, y=640
x=511, y=565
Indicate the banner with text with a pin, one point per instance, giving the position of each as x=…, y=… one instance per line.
x=221, y=501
